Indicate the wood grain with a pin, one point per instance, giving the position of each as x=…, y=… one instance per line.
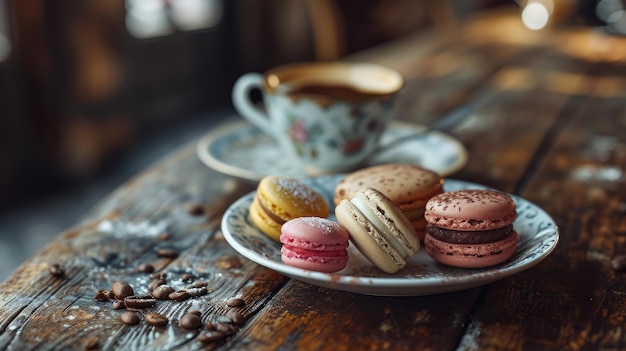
x=547, y=125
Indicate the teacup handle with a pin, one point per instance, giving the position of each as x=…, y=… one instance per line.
x=241, y=99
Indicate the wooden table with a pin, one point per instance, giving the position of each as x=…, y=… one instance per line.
x=549, y=125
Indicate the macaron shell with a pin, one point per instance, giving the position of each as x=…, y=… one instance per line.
x=265, y=224
x=313, y=263
x=314, y=243
x=471, y=255
x=406, y=185
x=471, y=210
x=391, y=218
x=314, y=233
x=280, y=199
x=287, y=198
x=367, y=239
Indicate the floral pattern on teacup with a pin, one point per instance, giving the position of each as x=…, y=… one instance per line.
x=307, y=137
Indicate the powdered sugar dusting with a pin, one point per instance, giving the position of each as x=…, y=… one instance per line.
x=305, y=196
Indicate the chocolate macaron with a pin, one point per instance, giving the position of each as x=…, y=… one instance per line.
x=471, y=228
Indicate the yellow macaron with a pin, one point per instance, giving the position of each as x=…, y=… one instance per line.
x=280, y=199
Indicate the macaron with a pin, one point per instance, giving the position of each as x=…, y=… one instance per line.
x=408, y=186
x=314, y=243
x=378, y=229
x=471, y=228
x=280, y=199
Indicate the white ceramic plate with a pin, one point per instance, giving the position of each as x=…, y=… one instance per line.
x=242, y=150
x=422, y=276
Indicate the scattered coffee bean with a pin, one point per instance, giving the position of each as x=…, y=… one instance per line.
x=195, y=209
x=167, y=253
x=102, y=295
x=209, y=326
x=162, y=292
x=159, y=275
x=196, y=312
x=235, y=316
x=190, y=321
x=198, y=284
x=226, y=328
x=195, y=292
x=619, y=263
x=211, y=336
x=56, y=270
x=187, y=278
x=92, y=343
x=156, y=319
x=235, y=302
x=155, y=283
x=129, y=317
x=228, y=262
x=146, y=268
x=118, y=304
x=179, y=295
x=164, y=236
x=140, y=302
x=121, y=289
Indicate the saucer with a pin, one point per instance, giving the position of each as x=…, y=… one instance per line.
x=241, y=150
x=538, y=234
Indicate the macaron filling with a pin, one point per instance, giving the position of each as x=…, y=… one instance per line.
x=311, y=246
x=402, y=248
x=468, y=237
x=300, y=252
x=271, y=214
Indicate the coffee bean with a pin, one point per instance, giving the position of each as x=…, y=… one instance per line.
x=190, y=321
x=56, y=270
x=187, y=278
x=235, y=302
x=226, y=328
x=164, y=236
x=156, y=319
x=129, y=317
x=159, y=275
x=118, y=305
x=194, y=292
x=235, y=316
x=209, y=326
x=198, y=284
x=121, y=289
x=155, y=283
x=167, y=253
x=196, y=312
x=133, y=301
x=619, y=263
x=146, y=268
x=211, y=336
x=195, y=209
x=92, y=343
x=179, y=295
x=102, y=295
x=162, y=292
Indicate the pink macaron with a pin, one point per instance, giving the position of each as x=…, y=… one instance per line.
x=471, y=228
x=314, y=243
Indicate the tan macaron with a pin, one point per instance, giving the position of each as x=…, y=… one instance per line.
x=378, y=229
x=408, y=186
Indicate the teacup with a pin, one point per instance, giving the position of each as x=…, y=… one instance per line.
x=328, y=117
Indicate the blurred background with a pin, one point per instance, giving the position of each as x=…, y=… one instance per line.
x=92, y=92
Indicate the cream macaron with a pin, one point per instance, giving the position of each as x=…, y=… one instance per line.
x=378, y=229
